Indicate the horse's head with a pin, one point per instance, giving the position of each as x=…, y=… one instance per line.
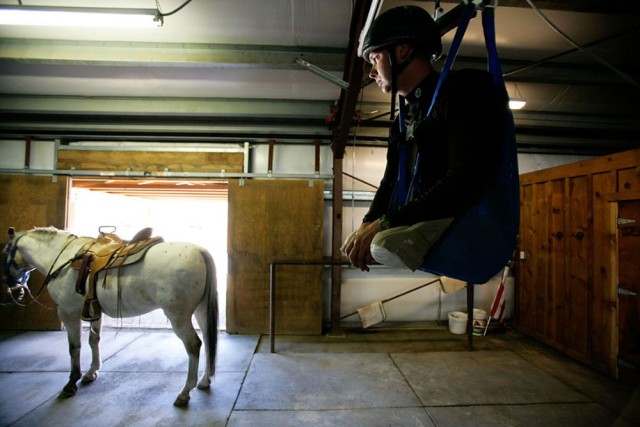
x=16, y=272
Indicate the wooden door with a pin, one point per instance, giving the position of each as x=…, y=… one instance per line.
x=629, y=290
x=556, y=296
x=30, y=201
x=275, y=221
x=534, y=260
x=573, y=320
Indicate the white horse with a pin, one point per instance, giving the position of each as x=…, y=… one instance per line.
x=179, y=278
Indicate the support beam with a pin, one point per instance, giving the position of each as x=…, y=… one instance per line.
x=589, y=6
x=146, y=55
x=346, y=108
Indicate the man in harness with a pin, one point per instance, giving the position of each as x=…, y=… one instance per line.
x=440, y=159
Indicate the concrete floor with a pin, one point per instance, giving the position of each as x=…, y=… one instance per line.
x=377, y=377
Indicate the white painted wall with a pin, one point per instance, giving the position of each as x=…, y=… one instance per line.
x=359, y=289
x=12, y=154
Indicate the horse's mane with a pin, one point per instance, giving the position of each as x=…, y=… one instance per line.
x=46, y=230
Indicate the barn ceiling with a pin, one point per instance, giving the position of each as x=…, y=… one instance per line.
x=233, y=71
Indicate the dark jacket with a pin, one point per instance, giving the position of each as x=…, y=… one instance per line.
x=459, y=146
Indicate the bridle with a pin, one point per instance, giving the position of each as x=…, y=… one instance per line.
x=20, y=280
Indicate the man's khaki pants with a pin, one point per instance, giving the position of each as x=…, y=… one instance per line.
x=405, y=246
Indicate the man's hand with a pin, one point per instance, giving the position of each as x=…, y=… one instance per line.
x=359, y=250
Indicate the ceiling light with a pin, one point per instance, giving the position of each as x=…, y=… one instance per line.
x=517, y=103
x=80, y=16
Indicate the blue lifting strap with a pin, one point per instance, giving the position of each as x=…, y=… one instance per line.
x=481, y=240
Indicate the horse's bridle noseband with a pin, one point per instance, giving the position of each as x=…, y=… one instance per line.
x=18, y=282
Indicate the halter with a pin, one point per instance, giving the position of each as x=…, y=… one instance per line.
x=10, y=263
x=20, y=282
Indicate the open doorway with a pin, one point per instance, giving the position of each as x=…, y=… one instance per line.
x=192, y=211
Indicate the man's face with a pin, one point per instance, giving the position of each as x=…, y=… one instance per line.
x=381, y=69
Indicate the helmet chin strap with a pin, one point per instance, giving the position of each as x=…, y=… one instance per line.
x=396, y=69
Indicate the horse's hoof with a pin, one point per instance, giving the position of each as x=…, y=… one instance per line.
x=65, y=394
x=89, y=378
x=181, y=401
x=204, y=386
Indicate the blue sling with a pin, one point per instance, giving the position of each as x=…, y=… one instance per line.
x=481, y=240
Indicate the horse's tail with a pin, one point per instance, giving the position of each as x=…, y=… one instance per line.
x=212, y=308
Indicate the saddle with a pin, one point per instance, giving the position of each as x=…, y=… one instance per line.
x=106, y=252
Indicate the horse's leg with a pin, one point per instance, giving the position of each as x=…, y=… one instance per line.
x=94, y=342
x=73, y=324
x=183, y=328
x=201, y=318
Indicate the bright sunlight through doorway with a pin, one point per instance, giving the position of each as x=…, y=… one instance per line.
x=200, y=220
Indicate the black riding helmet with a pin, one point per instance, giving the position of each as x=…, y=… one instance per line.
x=404, y=24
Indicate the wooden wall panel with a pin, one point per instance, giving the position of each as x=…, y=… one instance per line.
x=541, y=255
x=629, y=180
x=574, y=319
x=152, y=161
x=603, y=297
x=567, y=287
x=269, y=221
x=557, y=236
x=526, y=266
x=28, y=201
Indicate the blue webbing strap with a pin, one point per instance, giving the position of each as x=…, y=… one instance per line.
x=467, y=14
x=481, y=239
x=489, y=30
x=403, y=195
x=401, y=190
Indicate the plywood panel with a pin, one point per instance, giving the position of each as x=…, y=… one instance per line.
x=28, y=201
x=274, y=221
x=150, y=161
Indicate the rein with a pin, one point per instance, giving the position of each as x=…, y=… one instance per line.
x=53, y=274
x=23, y=282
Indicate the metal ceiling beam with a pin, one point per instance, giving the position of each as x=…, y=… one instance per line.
x=162, y=119
x=589, y=6
x=252, y=135
x=209, y=107
x=141, y=54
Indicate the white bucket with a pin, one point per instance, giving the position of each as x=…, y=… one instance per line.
x=479, y=321
x=457, y=322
